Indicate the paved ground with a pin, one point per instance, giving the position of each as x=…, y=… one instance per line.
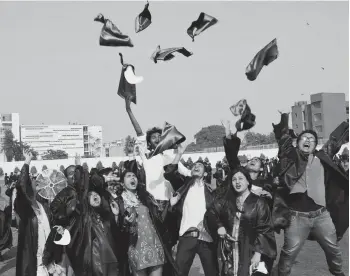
x=311, y=260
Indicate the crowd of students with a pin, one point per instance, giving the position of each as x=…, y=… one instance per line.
x=153, y=217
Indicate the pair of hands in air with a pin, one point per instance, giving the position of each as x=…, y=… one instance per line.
x=115, y=210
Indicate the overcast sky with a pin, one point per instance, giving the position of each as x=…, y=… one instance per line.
x=53, y=71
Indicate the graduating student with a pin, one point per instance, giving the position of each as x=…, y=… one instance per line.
x=192, y=199
x=315, y=192
x=246, y=219
x=34, y=225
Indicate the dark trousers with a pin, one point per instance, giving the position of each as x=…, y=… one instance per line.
x=187, y=249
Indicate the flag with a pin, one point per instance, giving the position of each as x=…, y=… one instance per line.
x=111, y=35
x=143, y=20
x=203, y=22
x=167, y=54
x=264, y=57
x=169, y=139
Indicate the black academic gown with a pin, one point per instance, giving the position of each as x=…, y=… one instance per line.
x=256, y=232
x=26, y=260
x=5, y=229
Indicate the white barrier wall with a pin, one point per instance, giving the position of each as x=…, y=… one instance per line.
x=107, y=161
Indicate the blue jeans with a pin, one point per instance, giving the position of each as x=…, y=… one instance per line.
x=321, y=226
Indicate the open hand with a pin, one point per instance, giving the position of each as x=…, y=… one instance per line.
x=114, y=208
x=77, y=160
x=181, y=149
x=28, y=156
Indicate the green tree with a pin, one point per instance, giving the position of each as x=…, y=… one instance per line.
x=44, y=168
x=55, y=154
x=1, y=172
x=33, y=170
x=19, y=148
x=7, y=146
x=99, y=165
x=17, y=170
x=210, y=136
x=256, y=139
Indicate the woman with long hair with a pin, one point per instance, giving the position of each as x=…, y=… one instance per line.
x=144, y=237
x=243, y=222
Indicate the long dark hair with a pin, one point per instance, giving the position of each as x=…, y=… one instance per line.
x=144, y=196
x=227, y=190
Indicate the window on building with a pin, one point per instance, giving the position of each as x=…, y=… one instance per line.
x=317, y=117
x=316, y=104
x=303, y=115
x=347, y=110
x=6, y=117
x=296, y=115
x=304, y=126
x=318, y=129
x=85, y=128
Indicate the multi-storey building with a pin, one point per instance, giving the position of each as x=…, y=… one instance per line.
x=73, y=139
x=324, y=113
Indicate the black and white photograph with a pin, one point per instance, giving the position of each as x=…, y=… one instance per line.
x=174, y=138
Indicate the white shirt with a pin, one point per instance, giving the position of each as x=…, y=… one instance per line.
x=156, y=184
x=43, y=233
x=193, y=211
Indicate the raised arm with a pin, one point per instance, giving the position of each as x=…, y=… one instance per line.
x=337, y=138
x=231, y=145
x=25, y=194
x=286, y=150
x=133, y=120
x=171, y=172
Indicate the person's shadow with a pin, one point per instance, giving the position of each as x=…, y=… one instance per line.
x=9, y=258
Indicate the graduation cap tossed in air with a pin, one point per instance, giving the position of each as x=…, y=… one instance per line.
x=169, y=139
x=143, y=20
x=111, y=35
x=247, y=120
x=203, y=22
x=263, y=58
x=128, y=81
x=167, y=54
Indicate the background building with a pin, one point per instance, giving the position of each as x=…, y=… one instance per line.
x=325, y=112
x=93, y=145
x=73, y=139
x=114, y=149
